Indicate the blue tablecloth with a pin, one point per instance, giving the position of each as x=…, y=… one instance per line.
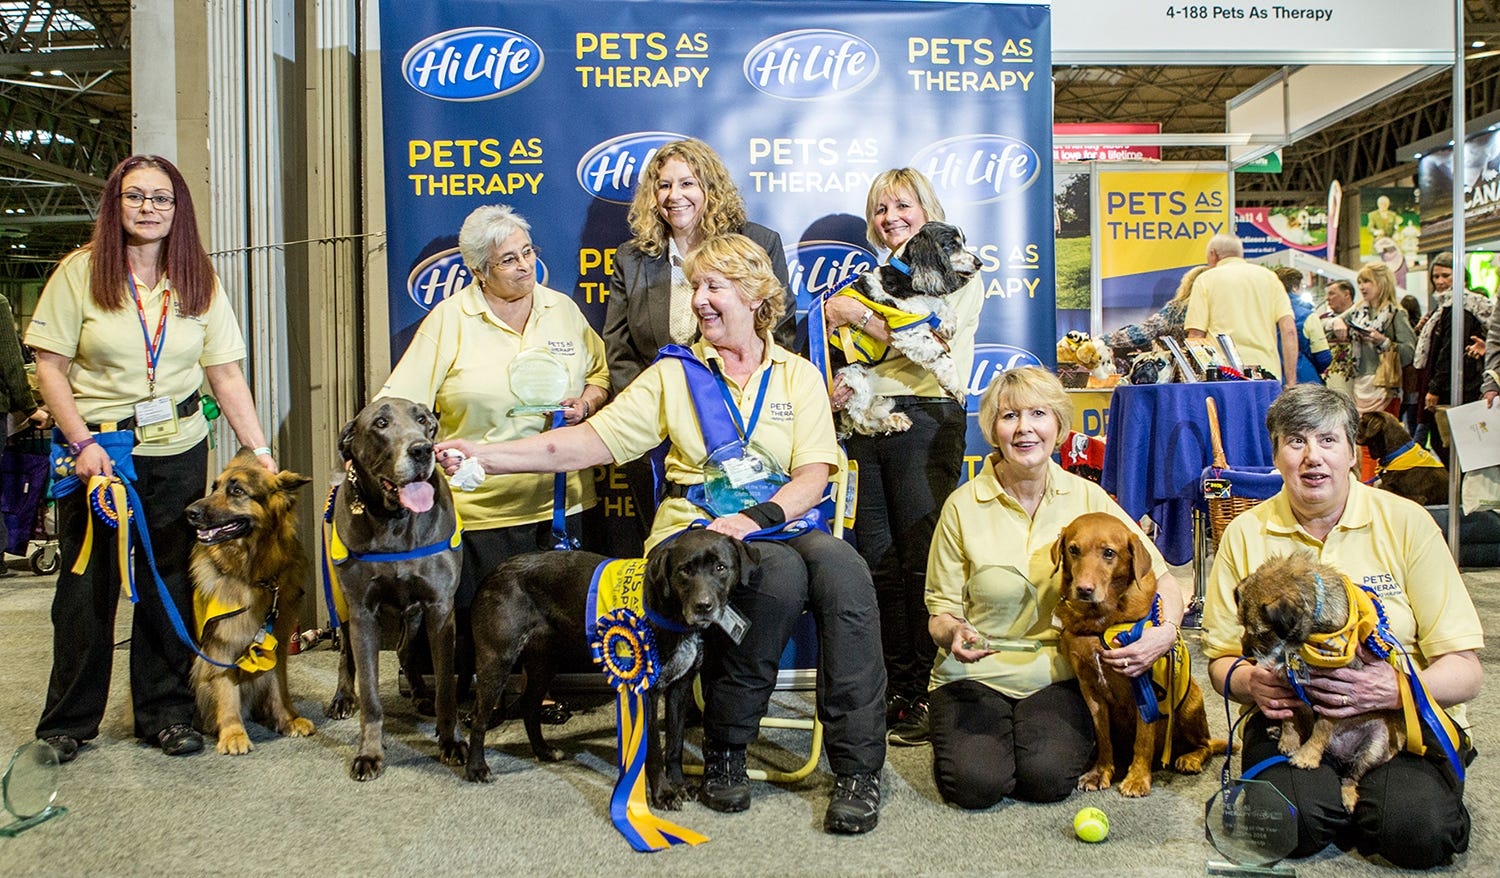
x=1158, y=444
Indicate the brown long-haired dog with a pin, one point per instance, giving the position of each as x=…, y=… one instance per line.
x=1423, y=479
x=1107, y=581
x=1280, y=608
x=249, y=570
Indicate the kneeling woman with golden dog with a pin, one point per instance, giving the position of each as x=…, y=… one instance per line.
x=1011, y=722
x=1410, y=810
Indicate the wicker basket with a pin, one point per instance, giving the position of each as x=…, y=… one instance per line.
x=1222, y=510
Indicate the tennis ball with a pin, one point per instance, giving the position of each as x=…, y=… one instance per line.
x=1090, y=825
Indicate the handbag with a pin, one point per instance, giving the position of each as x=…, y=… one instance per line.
x=1388, y=372
x=1368, y=396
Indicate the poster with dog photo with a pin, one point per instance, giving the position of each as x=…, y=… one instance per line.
x=1073, y=221
x=1390, y=223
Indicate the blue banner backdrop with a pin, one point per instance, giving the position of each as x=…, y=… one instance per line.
x=553, y=108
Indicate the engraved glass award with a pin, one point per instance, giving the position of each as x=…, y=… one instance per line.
x=1253, y=825
x=539, y=380
x=738, y=475
x=30, y=787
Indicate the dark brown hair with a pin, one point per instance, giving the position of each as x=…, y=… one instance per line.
x=183, y=258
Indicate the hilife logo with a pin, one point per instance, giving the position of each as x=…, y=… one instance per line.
x=444, y=273
x=472, y=64
x=818, y=267
x=991, y=359
x=611, y=169
x=979, y=168
x=808, y=65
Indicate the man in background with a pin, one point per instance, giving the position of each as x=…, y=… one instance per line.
x=1248, y=303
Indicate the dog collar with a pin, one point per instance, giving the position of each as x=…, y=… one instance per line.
x=1366, y=624
x=899, y=264
x=1408, y=456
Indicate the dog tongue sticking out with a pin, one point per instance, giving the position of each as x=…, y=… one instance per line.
x=417, y=496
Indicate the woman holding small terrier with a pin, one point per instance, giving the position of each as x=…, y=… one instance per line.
x=1410, y=810
x=1010, y=722
x=736, y=381
x=125, y=332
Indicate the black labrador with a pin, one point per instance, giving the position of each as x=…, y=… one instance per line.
x=534, y=606
x=395, y=502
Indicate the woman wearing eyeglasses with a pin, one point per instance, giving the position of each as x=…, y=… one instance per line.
x=125, y=332
x=460, y=362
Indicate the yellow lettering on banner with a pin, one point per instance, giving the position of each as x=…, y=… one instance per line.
x=590, y=258
x=621, y=46
x=457, y=185
x=466, y=153
x=671, y=76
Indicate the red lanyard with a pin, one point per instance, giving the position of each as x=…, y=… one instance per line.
x=153, y=345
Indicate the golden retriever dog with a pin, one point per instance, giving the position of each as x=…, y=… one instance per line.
x=1107, y=581
x=1416, y=475
x=248, y=570
x=1282, y=604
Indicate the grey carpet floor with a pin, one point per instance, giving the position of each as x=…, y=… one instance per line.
x=289, y=807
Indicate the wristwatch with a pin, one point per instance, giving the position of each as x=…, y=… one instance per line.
x=865, y=318
x=76, y=448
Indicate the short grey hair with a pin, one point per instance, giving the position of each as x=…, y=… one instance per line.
x=1310, y=408
x=1223, y=245
x=483, y=230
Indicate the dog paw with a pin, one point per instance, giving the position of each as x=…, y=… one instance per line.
x=669, y=797
x=1096, y=779
x=1303, y=758
x=897, y=422
x=234, y=742
x=366, y=767
x=1135, y=786
x=549, y=754
x=341, y=707
x=1350, y=795
x=1190, y=763
x=453, y=752
x=299, y=727
x=478, y=772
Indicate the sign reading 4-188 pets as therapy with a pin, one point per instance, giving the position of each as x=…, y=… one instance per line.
x=554, y=108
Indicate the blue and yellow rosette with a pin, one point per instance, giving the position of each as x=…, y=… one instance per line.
x=110, y=503
x=624, y=647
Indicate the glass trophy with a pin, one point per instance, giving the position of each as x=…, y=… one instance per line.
x=539, y=380
x=1254, y=826
x=738, y=475
x=1002, y=644
x=29, y=787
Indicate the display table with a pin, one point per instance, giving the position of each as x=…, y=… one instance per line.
x=1158, y=444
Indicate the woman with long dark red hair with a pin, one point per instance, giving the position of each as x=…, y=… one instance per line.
x=125, y=332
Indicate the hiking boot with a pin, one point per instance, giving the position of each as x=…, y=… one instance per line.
x=911, y=728
x=854, y=806
x=179, y=739
x=65, y=745
x=894, y=705
x=726, y=787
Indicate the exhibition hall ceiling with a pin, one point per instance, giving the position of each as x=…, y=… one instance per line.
x=65, y=106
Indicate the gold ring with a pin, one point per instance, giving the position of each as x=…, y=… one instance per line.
x=1346, y=700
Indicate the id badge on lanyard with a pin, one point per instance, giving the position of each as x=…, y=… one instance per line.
x=155, y=417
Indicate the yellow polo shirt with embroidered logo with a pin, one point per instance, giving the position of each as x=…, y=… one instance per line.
x=795, y=426
x=1382, y=541
x=991, y=563
x=108, y=350
x=1244, y=301
x=457, y=362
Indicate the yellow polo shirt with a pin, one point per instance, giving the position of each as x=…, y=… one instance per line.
x=1382, y=541
x=795, y=426
x=991, y=563
x=898, y=376
x=108, y=349
x=1244, y=301
x=457, y=361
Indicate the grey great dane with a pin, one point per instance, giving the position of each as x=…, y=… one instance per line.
x=396, y=546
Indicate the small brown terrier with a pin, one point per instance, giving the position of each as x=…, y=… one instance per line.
x=1107, y=581
x=1281, y=605
x=247, y=556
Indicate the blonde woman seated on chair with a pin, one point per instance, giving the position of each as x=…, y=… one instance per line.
x=778, y=401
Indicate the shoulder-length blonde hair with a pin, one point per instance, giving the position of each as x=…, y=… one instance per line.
x=723, y=208
x=1024, y=388
x=910, y=179
x=1379, y=274
x=744, y=262
x=1185, y=286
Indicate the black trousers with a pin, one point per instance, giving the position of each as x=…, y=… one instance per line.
x=83, y=609
x=824, y=575
x=903, y=480
x=1410, y=811
x=987, y=746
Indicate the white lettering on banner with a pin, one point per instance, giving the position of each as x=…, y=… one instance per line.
x=482, y=62
x=820, y=63
x=810, y=181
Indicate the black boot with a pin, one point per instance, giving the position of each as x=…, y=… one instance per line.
x=726, y=787
x=855, y=804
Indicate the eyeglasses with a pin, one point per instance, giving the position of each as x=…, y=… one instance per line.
x=160, y=202
x=512, y=260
